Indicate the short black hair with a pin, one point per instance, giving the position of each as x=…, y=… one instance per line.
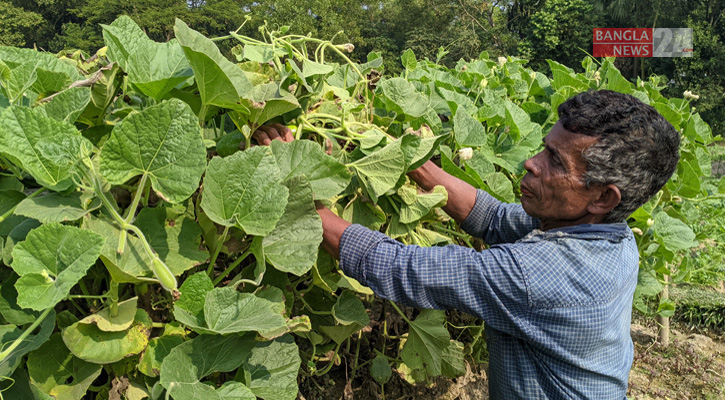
x=637, y=149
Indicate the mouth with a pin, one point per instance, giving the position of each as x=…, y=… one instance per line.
x=525, y=190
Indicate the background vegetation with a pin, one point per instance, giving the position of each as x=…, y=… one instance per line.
x=560, y=30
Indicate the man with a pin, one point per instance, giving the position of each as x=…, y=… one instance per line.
x=555, y=287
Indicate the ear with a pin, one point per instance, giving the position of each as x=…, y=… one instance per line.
x=608, y=197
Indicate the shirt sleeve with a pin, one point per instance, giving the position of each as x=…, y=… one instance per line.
x=488, y=284
x=497, y=222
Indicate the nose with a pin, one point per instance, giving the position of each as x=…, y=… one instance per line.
x=531, y=165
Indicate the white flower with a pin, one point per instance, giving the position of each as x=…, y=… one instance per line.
x=501, y=61
x=597, y=77
x=465, y=153
x=637, y=231
x=348, y=47
x=650, y=222
x=484, y=83
x=690, y=96
x=532, y=75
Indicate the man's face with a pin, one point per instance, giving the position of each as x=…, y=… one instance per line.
x=553, y=189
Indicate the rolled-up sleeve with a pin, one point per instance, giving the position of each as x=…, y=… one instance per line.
x=488, y=284
x=496, y=222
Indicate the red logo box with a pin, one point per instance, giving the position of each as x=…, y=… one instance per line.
x=623, y=42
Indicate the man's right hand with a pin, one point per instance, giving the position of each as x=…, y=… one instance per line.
x=265, y=134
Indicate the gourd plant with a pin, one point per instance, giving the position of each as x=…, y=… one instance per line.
x=132, y=170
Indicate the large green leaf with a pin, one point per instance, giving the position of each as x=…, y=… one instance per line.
x=9, y=333
x=50, y=261
x=193, y=295
x=188, y=363
x=42, y=146
x=254, y=200
x=105, y=321
x=58, y=373
x=674, y=234
x=292, y=245
x=271, y=369
x=427, y=339
x=468, y=130
x=55, y=207
x=123, y=38
x=220, y=82
x=381, y=170
x=129, y=266
x=403, y=96
x=518, y=121
x=268, y=101
x=175, y=239
x=349, y=310
x=67, y=105
x=158, y=68
x=227, y=310
x=91, y=344
x=162, y=142
x=327, y=176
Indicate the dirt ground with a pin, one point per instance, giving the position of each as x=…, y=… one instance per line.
x=692, y=367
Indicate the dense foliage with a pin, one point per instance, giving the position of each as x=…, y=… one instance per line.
x=133, y=170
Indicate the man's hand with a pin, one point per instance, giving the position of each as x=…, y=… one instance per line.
x=265, y=134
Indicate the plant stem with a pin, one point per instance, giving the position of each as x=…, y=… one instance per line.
x=113, y=295
x=87, y=296
x=131, y=211
x=231, y=267
x=402, y=314
x=10, y=212
x=24, y=335
x=218, y=249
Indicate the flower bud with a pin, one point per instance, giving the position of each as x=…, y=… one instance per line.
x=348, y=47
x=501, y=61
x=637, y=231
x=650, y=222
x=465, y=153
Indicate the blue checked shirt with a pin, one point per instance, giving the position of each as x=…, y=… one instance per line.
x=557, y=304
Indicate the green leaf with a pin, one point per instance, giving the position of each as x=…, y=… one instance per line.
x=271, y=369
x=349, y=310
x=132, y=264
x=423, y=204
x=457, y=101
x=157, y=349
x=157, y=68
x=188, y=363
x=254, y=200
x=311, y=68
x=425, y=151
x=67, y=105
x=193, y=294
x=261, y=53
x=672, y=233
x=427, y=339
x=123, y=38
x=9, y=308
x=408, y=59
x=270, y=101
x=17, y=235
x=500, y=187
x=55, y=207
x=42, y=146
x=91, y=344
x=305, y=158
x=220, y=82
x=123, y=319
x=615, y=80
x=162, y=142
x=468, y=131
x=58, y=373
x=666, y=308
x=381, y=170
x=403, y=96
x=228, y=311
x=452, y=362
x=9, y=199
x=518, y=121
x=364, y=213
x=380, y=369
x=292, y=245
x=9, y=333
x=50, y=261
x=175, y=239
